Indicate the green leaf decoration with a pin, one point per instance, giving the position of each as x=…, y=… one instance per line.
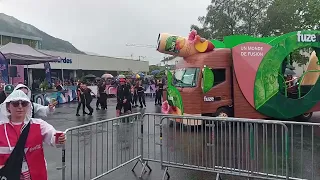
x=174, y=98
x=207, y=79
x=169, y=78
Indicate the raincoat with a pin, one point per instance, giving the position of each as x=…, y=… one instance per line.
x=38, y=109
x=33, y=165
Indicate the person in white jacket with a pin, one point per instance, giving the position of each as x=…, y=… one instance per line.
x=27, y=161
x=38, y=109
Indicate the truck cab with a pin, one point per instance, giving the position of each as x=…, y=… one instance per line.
x=188, y=79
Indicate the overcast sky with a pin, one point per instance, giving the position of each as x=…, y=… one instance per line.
x=106, y=26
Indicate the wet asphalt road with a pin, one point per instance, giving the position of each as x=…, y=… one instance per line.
x=123, y=147
x=64, y=118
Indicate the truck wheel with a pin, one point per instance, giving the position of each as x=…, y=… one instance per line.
x=222, y=112
x=304, y=117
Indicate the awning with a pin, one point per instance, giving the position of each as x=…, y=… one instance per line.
x=21, y=54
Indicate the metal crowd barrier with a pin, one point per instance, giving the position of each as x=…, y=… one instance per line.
x=260, y=149
x=96, y=149
x=232, y=146
x=150, y=133
x=304, y=158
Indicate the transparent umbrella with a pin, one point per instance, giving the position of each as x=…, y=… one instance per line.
x=289, y=72
x=106, y=76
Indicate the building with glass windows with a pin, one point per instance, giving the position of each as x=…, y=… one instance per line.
x=34, y=42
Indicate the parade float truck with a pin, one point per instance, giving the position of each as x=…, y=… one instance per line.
x=243, y=76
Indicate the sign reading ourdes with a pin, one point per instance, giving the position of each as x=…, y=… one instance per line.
x=66, y=61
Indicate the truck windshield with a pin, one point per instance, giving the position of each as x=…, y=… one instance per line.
x=185, y=77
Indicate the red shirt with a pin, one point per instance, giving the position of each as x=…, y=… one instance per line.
x=17, y=127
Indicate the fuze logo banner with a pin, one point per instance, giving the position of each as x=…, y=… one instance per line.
x=308, y=37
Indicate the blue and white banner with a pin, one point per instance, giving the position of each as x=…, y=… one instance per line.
x=4, y=75
x=47, y=68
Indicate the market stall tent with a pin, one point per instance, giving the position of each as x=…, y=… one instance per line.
x=21, y=54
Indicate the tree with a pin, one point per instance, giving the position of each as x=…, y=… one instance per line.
x=160, y=68
x=259, y=18
x=232, y=17
x=154, y=67
x=298, y=56
x=220, y=21
x=252, y=13
x=284, y=16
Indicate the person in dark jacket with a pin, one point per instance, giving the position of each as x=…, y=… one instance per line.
x=103, y=95
x=98, y=96
x=88, y=98
x=3, y=96
x=159, y=93
x=81, y=99
x=123, y=97
x=128, y=83
x=6, y=91
x=141, y=95
x=135, y=94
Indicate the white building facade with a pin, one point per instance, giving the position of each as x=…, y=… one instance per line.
x=73, y=61
x=73, y=64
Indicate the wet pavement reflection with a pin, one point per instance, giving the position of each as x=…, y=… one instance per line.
x=104, y=146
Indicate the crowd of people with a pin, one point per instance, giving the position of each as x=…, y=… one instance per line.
x=129, y=93
x=23, y=132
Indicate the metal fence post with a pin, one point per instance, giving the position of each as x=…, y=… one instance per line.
x=160, y=143
x=63, y=162
x=141, y=138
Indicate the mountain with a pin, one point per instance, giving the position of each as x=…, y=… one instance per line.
x=92, y=53
x=10, y=24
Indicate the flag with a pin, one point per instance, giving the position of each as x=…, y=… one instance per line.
x=48, y=73
x=4, y=69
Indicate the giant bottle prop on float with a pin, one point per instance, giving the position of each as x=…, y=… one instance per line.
x=181, y=46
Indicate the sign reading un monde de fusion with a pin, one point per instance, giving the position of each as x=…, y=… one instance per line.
x=65, y=61
x=308, y=37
